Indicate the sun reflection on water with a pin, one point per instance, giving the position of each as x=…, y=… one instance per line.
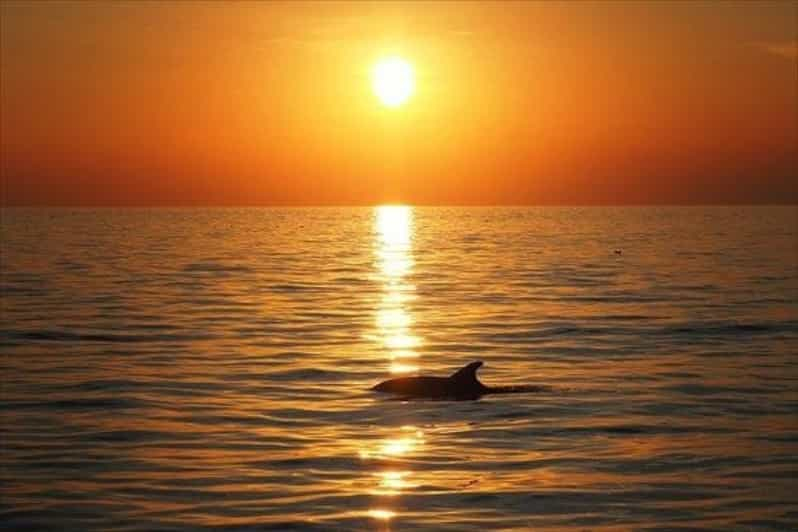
x=394, y=230
x=401, y=341
x=392, y=483
x=393, y=318
x=400, y=354
x=393, y=224
x=401, y=367
x=381, y=513
x=409, y=439
x=393, y=325
x=398, y=446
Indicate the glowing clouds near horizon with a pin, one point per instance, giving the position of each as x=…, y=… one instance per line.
x=393, y=81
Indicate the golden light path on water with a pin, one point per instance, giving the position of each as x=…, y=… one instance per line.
x=393, y=248
x=394, y=226
x=186, y=379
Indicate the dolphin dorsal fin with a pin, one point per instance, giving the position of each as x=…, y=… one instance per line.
x=467, y=372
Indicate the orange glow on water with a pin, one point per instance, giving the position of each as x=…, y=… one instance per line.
x=394, y=479
x=272, y=410
x=381, y=514
x=394, y=226
x=398, y=446
x=408, y=441
x=402, y=342
x=403, y=354
x=393, y=248
x=393, y=318
x=392, y=483
x=400, y=367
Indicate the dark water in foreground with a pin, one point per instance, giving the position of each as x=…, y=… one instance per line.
x=209, y=369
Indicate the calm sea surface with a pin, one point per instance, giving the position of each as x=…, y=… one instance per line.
x=194, y=369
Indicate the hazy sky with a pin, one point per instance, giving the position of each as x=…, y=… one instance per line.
x=255, y=103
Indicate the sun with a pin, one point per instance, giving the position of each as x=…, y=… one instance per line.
x=393, y=81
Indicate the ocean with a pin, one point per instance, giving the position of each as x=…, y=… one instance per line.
x=210, y=369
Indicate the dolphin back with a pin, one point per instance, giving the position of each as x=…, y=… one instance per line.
x=462, y=384
x=467, y=374
x=466, y=377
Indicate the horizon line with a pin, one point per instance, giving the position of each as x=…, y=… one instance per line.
x=383, y=204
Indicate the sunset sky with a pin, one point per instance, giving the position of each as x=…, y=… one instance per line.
x=255, y=103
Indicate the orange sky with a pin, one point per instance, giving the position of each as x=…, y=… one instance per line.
x=255, y=103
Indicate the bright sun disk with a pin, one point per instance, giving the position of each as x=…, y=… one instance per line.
x=393, y=81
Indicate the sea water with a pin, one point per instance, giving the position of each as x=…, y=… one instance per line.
x=209, y=369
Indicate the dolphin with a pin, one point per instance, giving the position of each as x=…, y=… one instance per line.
x=460, y=385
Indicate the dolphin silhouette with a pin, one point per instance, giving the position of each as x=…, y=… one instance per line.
x=461, y=385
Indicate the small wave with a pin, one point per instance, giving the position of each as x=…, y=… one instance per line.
x=519, y=388
x=65, y=336
x=295, y=287
x=729, y=328
x=216, y=268
x=626, y=317
x=307, y=374
x=32, y=290
x=72, y=404
x=707, y=390
x=541, y=334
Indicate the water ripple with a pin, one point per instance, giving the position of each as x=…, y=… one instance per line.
x=211, y=369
